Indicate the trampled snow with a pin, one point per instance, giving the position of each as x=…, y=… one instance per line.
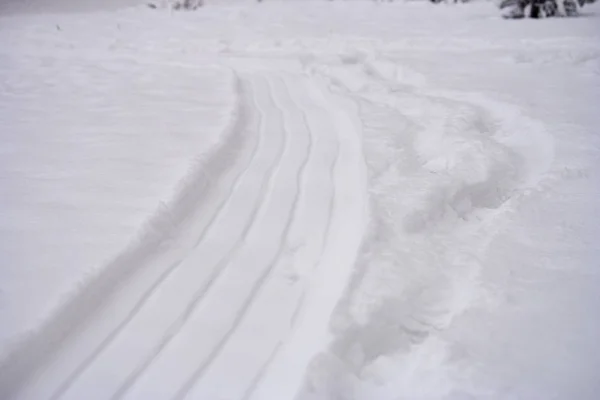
x=311, y=200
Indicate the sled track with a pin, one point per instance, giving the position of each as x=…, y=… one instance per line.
x=265, y=273
x=182, y=319
x=200, y=294
x=173, y=329
x=42, y=345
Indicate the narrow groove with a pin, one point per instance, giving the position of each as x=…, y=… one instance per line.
x=87, y=362
x=176, y=327
x=301, y=183
x=331, y=171
x=329, y=218
x=188, y=385
x=261, y=372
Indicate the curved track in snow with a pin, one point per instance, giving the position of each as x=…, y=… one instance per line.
x=233, y=292
x=286, y=211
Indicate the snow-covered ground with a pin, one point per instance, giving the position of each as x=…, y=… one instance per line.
x=311, y=200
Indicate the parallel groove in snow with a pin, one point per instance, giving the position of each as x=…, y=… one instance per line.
x=22, y=369
x=335, y=264
x=270, y=161
x=168, y=272
x=273, y=134
x=257, y=244
x=330, y=174
x=249, y=320
x=198, y=296
x=333, y=155
x=264, y=368
x=265, y=273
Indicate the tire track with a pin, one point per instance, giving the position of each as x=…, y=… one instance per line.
x=264, y=370
x=335, y=267
x=266, y=192
x=263, y=300
x=258, y=284
x=176, y=327
x=173, y=330
x=44, y=345
x=331, y=170
x=162, y=277
x=261, y=372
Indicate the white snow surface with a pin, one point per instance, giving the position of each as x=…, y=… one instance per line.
x=309, y=200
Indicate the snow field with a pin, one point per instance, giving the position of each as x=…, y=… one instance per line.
x=402, y=205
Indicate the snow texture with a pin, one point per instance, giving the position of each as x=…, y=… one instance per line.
x=310, y=200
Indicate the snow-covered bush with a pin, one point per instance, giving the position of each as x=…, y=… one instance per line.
x=540, y=8
x=178, y=4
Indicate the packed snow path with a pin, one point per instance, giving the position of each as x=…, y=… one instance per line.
x=288, y=213
x=474, y=275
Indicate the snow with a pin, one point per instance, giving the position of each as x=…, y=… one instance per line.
x=311, y=200
x=93, y=146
